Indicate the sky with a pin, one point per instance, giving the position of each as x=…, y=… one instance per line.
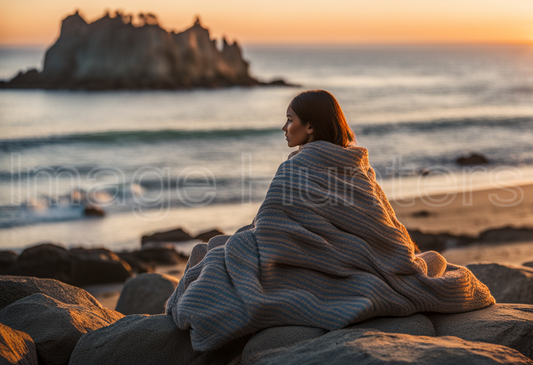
x=37, y=22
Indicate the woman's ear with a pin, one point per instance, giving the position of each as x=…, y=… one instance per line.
x=309, y=128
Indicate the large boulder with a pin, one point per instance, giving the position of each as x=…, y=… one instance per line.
x=13, y=288
x=416, y=325
x=507, y=283
x=97, y=266
x=362, y=346
x=147, y=340
x=274, y=337
x=46, y=260
x=16, y=347
x=78, y=267
x=54, y=326
x=283, y=336
x=146, y=294
x=509, y=325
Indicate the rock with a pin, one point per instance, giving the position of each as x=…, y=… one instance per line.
x=16, y=347
x=424, y=172
x=416, y=325
x=146, y=340
x=55, y=327
x=25, y=80
x=279, y=82
x=7, y=259
x=93, y=211
x=161, y=255
x=13, y=288
x=421, y=214
x=97, y=266
x=438, y=241
x=206, y=236
x=146, y=294
x=112, y=53
x=45, y=260
x=360, y=346
x=506, y=234
x=508, y=325
x=137, y=265
x=507, y=283
x=175, y=235
x=274, y=337
x=472, y=159
x=528, y=264
x=78, y=267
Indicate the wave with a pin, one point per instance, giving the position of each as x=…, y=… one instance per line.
x=154, y=136
x=133, y=136
x=48, y=209
x=445, y=124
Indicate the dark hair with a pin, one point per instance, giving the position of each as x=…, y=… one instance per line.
x=322, y=110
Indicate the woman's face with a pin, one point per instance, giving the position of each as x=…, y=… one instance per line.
x=295, y=132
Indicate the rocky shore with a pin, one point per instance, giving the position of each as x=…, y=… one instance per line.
x=114, y=53
x=95, y=306
x=45, y=321
x=83, y=267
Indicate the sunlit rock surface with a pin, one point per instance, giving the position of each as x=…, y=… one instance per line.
x=54, y=326
x=13, y=288
x=363, y=346
x=498, y=334
x=16, y=347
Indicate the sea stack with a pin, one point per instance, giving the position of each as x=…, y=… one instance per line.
x=113, y=53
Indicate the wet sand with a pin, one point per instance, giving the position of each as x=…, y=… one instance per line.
x=469, y=213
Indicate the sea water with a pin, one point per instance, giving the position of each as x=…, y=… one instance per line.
x=203, y=159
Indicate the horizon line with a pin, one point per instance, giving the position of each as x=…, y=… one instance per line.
x=330, y=44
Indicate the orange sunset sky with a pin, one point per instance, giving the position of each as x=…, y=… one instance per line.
x=37, y=22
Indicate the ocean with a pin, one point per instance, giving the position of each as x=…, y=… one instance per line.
x=203, y=159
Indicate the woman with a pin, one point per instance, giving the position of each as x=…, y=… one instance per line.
x=324, y=250
x=316, y=111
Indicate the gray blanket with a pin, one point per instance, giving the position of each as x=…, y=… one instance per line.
x=324, y=250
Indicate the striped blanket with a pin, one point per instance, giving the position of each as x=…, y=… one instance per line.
x=324, y=250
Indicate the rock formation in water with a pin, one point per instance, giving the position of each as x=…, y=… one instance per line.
x=113, y=53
